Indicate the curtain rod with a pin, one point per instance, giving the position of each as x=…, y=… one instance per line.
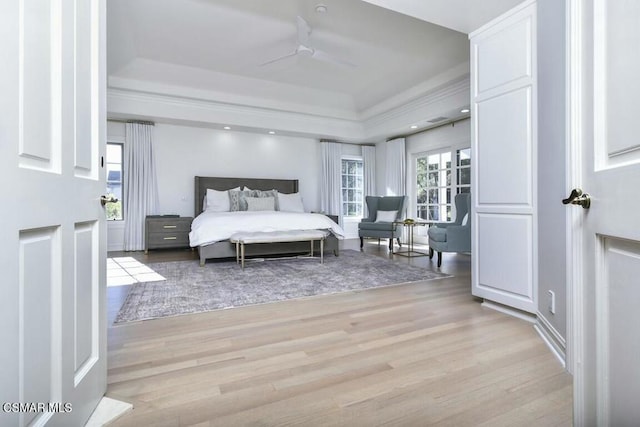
x=142, y=122
x=349, y=143
x=449, y=122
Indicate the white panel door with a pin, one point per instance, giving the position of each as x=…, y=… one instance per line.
x=503, y=86
x=605, y=65
x=52, y=257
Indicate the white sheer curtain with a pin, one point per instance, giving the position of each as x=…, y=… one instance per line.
x=396, y=179
x=140, y=186
x=369, y=172
x=331, y=175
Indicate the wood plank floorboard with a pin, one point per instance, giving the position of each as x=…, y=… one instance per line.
x=417, y=354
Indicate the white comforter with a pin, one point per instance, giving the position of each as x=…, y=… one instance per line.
x=211, y=227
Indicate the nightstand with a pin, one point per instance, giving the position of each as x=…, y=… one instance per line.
x=334, y=218
x=166, y=232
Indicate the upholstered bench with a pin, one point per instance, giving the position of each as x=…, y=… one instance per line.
x=246, y=238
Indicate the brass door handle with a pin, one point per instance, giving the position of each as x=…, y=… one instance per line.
x=577, y=197
x=104, y=200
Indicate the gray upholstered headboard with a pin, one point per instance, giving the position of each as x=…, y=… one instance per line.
x=286, y=186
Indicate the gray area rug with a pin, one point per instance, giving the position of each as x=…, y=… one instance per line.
x=218, y=285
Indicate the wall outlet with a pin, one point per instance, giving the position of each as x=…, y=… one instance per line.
x=551, y=297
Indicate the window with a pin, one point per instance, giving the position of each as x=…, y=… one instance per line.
x=463, y=163
x=114, y=180
x=352, y=187
x=437, y=178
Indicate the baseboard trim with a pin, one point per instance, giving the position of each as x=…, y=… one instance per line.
x=529, y=317
x=556, y=343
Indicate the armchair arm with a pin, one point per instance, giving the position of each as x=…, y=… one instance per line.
x=442, y=224
x=459, y=238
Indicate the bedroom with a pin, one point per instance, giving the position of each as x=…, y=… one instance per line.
x=153, y=78
x=208, y=149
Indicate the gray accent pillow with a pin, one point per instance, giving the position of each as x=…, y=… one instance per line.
x=267, y=193
x=237, y=200
x=260, y=203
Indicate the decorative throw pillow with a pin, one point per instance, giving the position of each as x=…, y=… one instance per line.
x=261, y=203
x=237, y=200
x=290, y=202
x=268, y=193
x=386, y=216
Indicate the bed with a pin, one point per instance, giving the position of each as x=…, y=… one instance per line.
x=214, y=245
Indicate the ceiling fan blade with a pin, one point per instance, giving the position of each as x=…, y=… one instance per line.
x=303, y=31
x=324, y=56
x=280, y=58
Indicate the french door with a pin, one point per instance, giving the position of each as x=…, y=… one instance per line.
x=438, y=176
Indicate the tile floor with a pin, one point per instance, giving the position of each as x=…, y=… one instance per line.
x=123, y=271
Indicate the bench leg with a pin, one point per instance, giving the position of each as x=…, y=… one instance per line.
x=238, y=252
x=312, y=249
x=242, y=254
x=321, y=251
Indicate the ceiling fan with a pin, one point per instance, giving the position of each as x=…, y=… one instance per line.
x=306, y=49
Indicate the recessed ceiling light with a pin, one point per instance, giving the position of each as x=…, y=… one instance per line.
x=464, y=110
x=414, y=127
x=271, y=132
x=227, y=128
x=321, y=8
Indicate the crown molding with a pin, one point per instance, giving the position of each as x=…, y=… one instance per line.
x=128, y=103
x=341, y=110
x=131, y=104
x=446, y=99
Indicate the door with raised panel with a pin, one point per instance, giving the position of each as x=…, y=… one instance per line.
x=52, y=256
x=503, y=144
x=605, y=89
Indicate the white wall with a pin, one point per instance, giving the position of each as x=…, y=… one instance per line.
x=183, y=152
x=552, y=228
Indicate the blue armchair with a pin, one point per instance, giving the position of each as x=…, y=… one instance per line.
x=381, y=226
x=452, y=236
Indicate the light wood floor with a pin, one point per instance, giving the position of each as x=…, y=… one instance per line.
x=411, y=355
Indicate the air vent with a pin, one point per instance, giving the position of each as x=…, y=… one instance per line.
x=438, y=119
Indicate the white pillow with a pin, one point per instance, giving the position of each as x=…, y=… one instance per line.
x=261, y=203
x=465, y=218
x=217, y=201
x=245, y=188
x=386, y=216
x=290, y=202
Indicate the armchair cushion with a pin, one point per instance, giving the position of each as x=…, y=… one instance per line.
x=386, y=216
x=377, y=226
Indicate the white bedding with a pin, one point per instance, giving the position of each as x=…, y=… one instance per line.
x=211, y=227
